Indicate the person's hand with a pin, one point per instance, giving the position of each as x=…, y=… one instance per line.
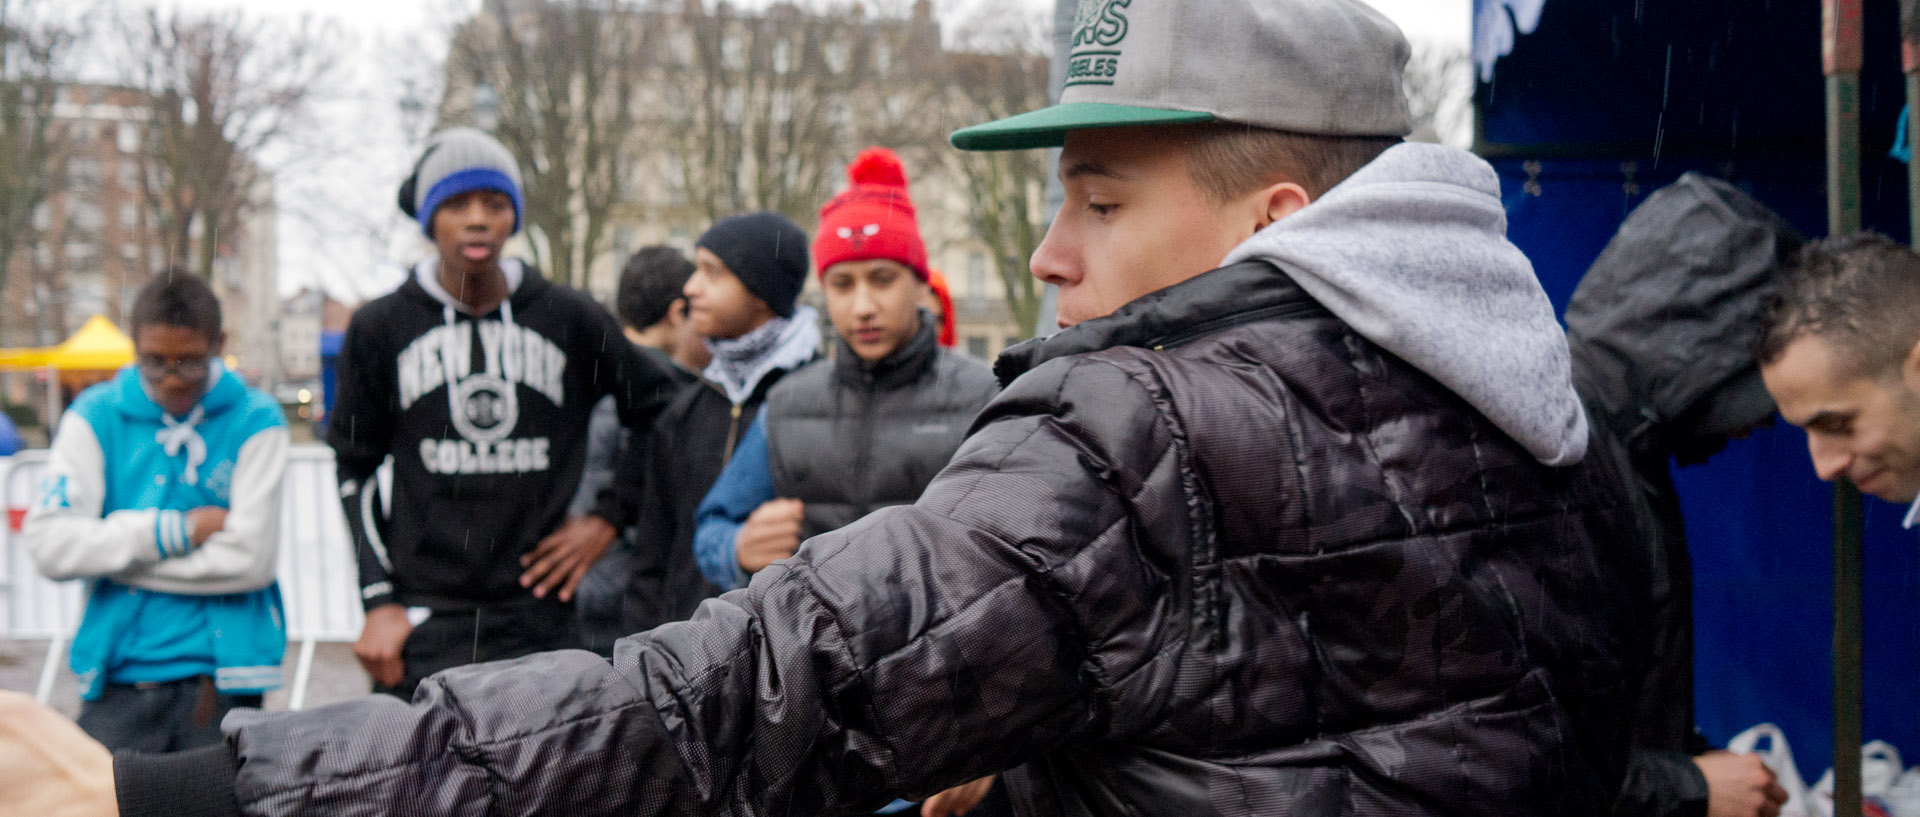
x=1739, y=786
x=204, y=522
x=957, y=800
x=380, y=641
x=771, y=533
x=561, y=559
x=48, y=767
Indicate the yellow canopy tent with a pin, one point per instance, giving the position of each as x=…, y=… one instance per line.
x=98, y=346
x=16, y=359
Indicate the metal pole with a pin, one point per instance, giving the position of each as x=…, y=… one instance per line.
x=1841, y=47
x=1910, y=63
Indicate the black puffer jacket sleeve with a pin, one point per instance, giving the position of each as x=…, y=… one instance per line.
x=922, y=646
x=1662, y=783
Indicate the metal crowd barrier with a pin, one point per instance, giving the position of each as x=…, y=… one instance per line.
x=317, y=576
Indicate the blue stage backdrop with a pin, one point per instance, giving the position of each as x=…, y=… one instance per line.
x=1606, y=101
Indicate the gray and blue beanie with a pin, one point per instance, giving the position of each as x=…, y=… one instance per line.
x=456, y=161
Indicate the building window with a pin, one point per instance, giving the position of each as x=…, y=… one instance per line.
x=127, y=138
x=88, y=297
x=977, y=277
x=835, y=55
x=83, y=174
x=977, y=346
x=130, y=176
x=129, y=215
x=676, y=179
x=733, y=54
x=782, y=56
x=882, y=57
x=79, y=255
x=84, y=215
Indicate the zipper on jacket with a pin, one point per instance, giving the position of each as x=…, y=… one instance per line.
x=862, y=499
x=733, y=436
x=1291, y=309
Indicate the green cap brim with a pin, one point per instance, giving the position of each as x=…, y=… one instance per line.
x=1047, y=127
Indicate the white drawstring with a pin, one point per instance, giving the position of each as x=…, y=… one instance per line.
x=175, y=433
x=446, y=361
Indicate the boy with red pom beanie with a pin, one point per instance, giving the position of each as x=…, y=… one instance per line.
x=866, y=429
x=873, y=218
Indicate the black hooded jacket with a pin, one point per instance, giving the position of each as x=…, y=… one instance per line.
x=486, y=419
x=1214, y=554
x=1662, y=330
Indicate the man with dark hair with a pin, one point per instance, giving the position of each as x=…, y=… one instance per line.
x=655, y=317
x=650, y=304
x=743, y=300
x=1292, y=517
x=163, y=488
x=1841, y=355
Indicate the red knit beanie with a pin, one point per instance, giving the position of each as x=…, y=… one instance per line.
x=873, y=218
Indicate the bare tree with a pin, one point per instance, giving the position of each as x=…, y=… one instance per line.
x=223, y=90
x=34, y=47
x=1439, y=88
x=556, y=83
x=767, y=108
x=1004, y=73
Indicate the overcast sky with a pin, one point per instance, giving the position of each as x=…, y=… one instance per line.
x=328, y=205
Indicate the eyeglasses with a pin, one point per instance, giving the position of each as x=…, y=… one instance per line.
x=154, y=368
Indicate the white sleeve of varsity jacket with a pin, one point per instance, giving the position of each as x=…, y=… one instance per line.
x=64, y=530
x=242, y=556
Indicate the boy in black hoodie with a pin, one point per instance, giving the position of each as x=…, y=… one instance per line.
x=478, y=378
x=742, y=298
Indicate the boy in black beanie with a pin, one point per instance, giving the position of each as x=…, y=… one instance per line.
x=748, y=271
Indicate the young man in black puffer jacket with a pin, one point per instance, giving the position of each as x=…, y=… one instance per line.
x=1305, y=531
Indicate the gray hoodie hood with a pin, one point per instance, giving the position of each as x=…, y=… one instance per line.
x=1412, y=252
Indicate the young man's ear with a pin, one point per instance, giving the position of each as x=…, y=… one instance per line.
x=220, y=344
x=1910, y=369
x=1281, y=200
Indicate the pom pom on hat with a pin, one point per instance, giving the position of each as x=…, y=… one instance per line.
x=873, y=219
x=878, y=166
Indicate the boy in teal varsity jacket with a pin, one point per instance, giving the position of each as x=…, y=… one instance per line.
x=163, y=489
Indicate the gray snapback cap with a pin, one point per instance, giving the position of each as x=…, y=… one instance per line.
x=1327, y=67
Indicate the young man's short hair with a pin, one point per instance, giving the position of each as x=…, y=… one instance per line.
x=176, y=298
x=1860, y=292
x=649, y=284
x=1227, y=160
